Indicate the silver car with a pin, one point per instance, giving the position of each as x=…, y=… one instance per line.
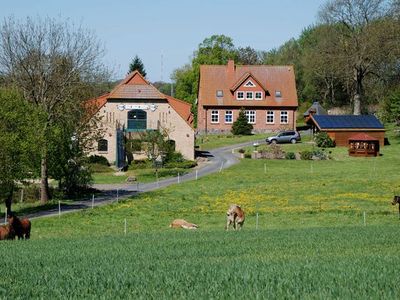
x=289, y=136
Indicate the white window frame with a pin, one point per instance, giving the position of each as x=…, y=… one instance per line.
x=227, y=113
x=278, y=94
x=249, y=114
x=284, y=113
x=237, y=95
x=249, y=83
x=219, y=96
x=214, y=113
x=252, y=95
x=255, y=95
x=270, y=113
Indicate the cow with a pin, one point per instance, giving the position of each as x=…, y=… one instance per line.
x=181, y=223
x=234, y=216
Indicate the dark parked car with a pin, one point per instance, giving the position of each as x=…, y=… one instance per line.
x=289, y=136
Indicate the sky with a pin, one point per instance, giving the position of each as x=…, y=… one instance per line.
x=165, y=33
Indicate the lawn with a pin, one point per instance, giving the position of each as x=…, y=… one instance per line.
x=314, y=229
x=212, y=141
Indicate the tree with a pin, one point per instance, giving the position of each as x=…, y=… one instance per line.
x=49, y=60
x=241, y=126
x=19, y=124
x=391, y=107
x=249, y=56
x=363, y=40
x=137, y=65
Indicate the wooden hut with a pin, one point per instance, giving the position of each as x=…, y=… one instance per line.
x=341, y=127
x=362, y=144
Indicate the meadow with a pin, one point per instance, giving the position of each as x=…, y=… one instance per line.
x=310, y=240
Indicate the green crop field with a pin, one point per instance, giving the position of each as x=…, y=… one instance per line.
x=325, y=229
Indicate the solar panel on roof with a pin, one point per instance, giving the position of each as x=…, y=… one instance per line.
x=347, y=121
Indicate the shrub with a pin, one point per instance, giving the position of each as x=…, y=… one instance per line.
x=290, y=155
x=97, y=159
x=99, y=168
x=316, y=154
x=323, y=140
x=241, y=150
x=134, y=145
x=187, y=164
x=247, y=155
x=241, y=126
x=306, y=155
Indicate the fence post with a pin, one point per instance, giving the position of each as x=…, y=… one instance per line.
x=59, y=208
x=257, y=221
x=22, y=195
x=92, y=201
x=179, y=179
x=5, y=216
x=117, y=195
x=125, y=227
x=196, y=174
x=365, y=219
x=220, y=169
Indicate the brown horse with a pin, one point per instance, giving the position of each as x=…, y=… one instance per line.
x=6, y=232
x=396, y=200
x=181, y=223
x=235, y=216
x=21, y=227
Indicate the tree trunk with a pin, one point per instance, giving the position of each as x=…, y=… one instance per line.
x=9, y=199
x=44, y=180
x=358, y=77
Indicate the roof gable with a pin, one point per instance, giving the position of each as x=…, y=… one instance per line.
x=316, y=109
x=347, y=122
x=245, y=80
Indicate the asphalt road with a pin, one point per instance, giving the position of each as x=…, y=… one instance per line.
x=218, y=159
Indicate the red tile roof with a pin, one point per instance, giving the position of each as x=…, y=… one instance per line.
x=135, y=86
x=226, y=77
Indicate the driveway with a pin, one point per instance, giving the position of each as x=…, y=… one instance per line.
x=218, y=159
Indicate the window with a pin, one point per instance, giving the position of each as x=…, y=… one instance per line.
x=270, y=117
x=214, y=116
x=240, y=95
x=251, y=116
x=102, y=145
x=249, y=84
x=220, y=93
x=278, y=94
x=284, y=117
x=249, y=95
x=258, y=95
x=228, y=116
x=137, y=120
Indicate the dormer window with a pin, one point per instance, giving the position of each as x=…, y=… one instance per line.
x=258, y=95
x=249, y=84
x=249, y=95
x=240, y=95
x=220, y=93
x=278, y=94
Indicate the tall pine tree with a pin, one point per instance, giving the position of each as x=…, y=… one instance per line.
x=138, y=65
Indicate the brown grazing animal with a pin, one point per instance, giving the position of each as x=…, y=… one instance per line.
x=181, y=223
x=21, y=227
x=6, y=233
x=396, y=200
x=235, y=216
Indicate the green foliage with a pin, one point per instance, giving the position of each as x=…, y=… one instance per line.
x=290, y=155
x=391, y=107
x=99, y=168
x=306, y=155
x=186, y=164
x=323, y=140
x=241, y=126
x=137, y=65
x=98, y=159
x=314, y=154
x=133, y=145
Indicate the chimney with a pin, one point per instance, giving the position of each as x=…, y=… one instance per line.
x=231, y=71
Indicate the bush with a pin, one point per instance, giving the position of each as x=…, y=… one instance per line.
x=241, y=126
x=290, y=155
x=316, y=154
x=99, y=168
x=174, y=156
x=187, y=164
x=97, y=159
x=323, y=140
x=241, y=150
x=134, y=145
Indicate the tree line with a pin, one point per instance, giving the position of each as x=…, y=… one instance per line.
x=349, y=57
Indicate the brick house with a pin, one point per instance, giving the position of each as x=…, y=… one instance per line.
x=135, y=105
x=267, y=93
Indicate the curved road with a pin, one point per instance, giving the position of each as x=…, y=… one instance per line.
x=220, y=158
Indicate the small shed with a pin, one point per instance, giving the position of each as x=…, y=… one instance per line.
x=362, y=144
x=341, y=127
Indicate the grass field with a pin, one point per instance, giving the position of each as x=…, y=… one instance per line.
x=311, y=241
x=212, y=141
